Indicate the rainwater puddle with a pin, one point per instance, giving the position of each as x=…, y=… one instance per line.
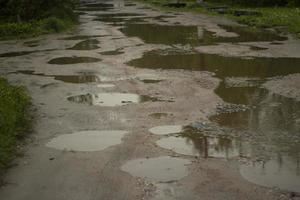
x=189, y=142
x=105, y=85
x=73, y=60
x=162, y=34
x=159, y=115
x=222, y=66
x=150, y=81
x=32, y=43
x=165, y=130
x=160, y=169
x=111, y=53
x=110, y=99
x=87, y=140
x=89, y=44
x=80, y=78
x=15, y=54
x=246, y=34
x=82, y=37
x=96, y=7
x=282, y=173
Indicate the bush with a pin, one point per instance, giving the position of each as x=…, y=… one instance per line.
x=14, y=120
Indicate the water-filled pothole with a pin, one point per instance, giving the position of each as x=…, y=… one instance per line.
x=166, y=129
x=111, y=99
x=162, y=34
x=87, y=140
x=111, y=53
x=159, y=115
x=89, y=44
x=222, y=66
x=80, y=78
x=190, y=142
x=161, y=169
x=73, y=60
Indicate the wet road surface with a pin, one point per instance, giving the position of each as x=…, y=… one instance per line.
x=138, y=103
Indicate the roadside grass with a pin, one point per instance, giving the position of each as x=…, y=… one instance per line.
x=34, y=28
x=283, y=19
x=14, y=120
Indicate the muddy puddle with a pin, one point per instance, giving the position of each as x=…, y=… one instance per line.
x=32, y=43
x=89, y=44
x=111, y=99
x=80, y=78
x=105, y=85
x=162, y=34
x=166, y=129
x=245, y=34
x=73, y=60
x=160, y=169
x=82, y=37
x=150, y=81
x=222, y=66
x=159, y=115
x=193, y=35
x=87, y=140
x=22, y=53
x=269, y=130
x=96, y=7
x=112, y=53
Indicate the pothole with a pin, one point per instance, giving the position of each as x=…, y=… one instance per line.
x=105, y=85
x=89, y=44
x=73, y=60
x=87, y=140
x=160, y=169
x=165, y=130
x=110, y=99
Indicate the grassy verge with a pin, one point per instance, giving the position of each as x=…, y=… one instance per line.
x=34, y=28
x=283, y=19
x=14, y=120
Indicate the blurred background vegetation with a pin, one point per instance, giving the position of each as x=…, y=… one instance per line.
x=25, y=18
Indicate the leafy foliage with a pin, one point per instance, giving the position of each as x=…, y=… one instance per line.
x=13, y=119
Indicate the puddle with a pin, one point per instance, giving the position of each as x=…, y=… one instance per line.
x=246, y=34
x=105, y=85
x=110, y=99
x=89, y=44
x=81, y=78
x=111, y=53
x=96, y=7
x=112, y=15
x=73, y=60
x=256, y=48
x=282, y=173
x=87, y=140
x=160, y=169
x=222, y=66
x=191, y=142
x=150, y=81
x=165, y=130
x=77, y=78
x=32, y=43
x=120, y=20
x=162, y=34
x=82, y=37
x=15, y=54
x=158, y=115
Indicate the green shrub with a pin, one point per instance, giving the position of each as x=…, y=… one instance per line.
x=14, y=120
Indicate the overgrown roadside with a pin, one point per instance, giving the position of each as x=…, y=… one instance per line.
x=284, y=19
x=15, y=120
x=23, y=19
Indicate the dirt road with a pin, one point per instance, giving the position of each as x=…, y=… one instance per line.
x=106, y=113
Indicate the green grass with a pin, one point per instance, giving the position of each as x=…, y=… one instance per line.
x=284, y=19
x=14, y=120
x=34, y=28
